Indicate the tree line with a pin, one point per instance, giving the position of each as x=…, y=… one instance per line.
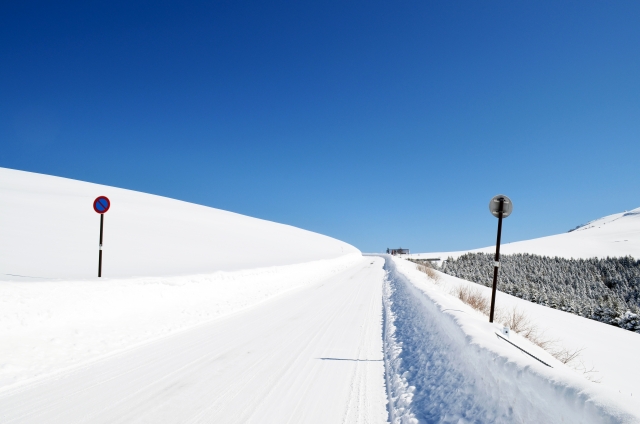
x=606, y=290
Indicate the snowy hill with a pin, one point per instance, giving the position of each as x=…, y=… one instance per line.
x=210, y=316
x=614, y=235
x=168, y=265
x=48, y=229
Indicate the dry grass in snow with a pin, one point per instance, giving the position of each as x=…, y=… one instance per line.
x=517, y=321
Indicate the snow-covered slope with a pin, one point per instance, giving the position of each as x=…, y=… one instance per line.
x=48, y=229
x=446, y=363
x=614, y=235
x=168, y=265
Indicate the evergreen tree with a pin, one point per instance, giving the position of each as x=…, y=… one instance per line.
x=607, y=290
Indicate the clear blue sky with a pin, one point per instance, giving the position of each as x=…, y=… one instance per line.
x=383, y=124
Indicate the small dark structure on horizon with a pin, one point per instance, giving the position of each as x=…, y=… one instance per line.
x=399, y=251
x=424, y=260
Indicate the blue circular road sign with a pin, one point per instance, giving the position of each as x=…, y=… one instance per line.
x=101, y=204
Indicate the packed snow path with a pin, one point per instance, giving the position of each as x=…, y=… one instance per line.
x=313, y=355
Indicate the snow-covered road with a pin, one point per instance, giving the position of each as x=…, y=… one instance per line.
x=316, y=353
x=313, y=355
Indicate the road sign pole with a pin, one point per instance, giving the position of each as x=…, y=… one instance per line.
x=100, y=251
x=496, y=264
x=101, y=205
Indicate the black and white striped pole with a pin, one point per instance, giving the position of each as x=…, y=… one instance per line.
x=500, y=207
x=101, y=205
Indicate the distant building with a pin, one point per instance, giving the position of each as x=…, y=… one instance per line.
x=399, y=251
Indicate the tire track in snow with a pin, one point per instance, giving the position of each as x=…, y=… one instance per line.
x=264, y=365
x=360, y=404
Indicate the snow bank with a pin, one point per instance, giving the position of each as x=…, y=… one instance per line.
x=614, y=235
x=49, y=326
x=48, y=230
x=445, y=363
x=599, y=343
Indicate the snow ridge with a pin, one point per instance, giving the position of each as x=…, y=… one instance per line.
x=426, y=378
x=399, y=393
x=616, y=235
x=445, y=364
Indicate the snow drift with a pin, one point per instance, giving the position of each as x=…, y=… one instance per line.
x=48, y=229
x=445, y=363
x=169, y=265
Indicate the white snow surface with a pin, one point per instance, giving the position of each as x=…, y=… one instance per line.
x=49, y=230
x=446, y=364
x=210, y=316
x=311, y=355
x=50, y=326
x=609, y=352
x=168, y=265
x=614, y=235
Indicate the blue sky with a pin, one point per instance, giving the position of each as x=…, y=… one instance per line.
x=383, y=124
